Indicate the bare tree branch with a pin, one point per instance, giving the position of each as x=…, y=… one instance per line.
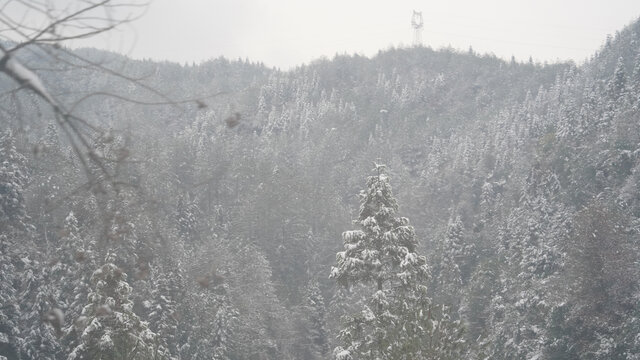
x=77, y=20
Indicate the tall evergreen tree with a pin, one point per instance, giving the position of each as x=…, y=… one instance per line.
x=398, y=320
x=315, y=344
x=42, y=321
x=187, y=219
x=73, y=261
x=601, y=314
x=9, y=310
x=13, y=180
x=455, y=254
x=14, y=228
x=111, y=330
x=163, y=315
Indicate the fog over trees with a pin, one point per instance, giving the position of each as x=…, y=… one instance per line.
x=418, y=204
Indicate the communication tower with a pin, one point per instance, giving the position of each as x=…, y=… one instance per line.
x=418, y=24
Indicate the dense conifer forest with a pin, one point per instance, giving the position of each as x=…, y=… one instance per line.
x=418, y=204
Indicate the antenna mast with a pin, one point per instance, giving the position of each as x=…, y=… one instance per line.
x=418, y=24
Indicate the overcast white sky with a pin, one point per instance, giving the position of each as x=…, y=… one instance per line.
x=286, y=33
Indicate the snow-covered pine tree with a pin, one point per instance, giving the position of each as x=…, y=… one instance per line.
x=42, y=321
x=398, y=320
x=15, y=224
x=73, y=259
x=451, y=271
x=224, y=323
x=212, y=320
x=73, y=256
x=315, y=324
x=187, y=219
x=530, y=243
x=45, y=183
x=163, y=315
x=635, y=83
x=615, y=94
x=9, y=309
x=616, y=87
x=111, y=329
x=13, y=179
x=602, y=317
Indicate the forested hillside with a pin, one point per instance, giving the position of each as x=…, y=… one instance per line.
x=216, y=236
